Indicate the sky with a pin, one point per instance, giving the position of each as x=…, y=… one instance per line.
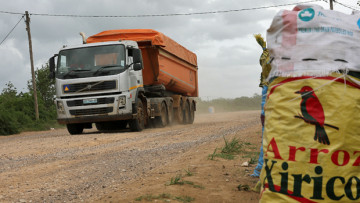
x=227, y=53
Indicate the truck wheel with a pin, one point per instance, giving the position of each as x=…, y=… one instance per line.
x=100, y=126
x=186, y=113
x=75, y=129
x=191, y=114
x=171, y=114
x=179, y=114
x=162, y=120
x=138, y=124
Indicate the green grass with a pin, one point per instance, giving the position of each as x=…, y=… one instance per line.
x=193, y=184
x=213, y=155
x=184, y=199
x=150, y=197
x=253, y=155
x=188, y=172
x=232, y=147
x=44, y=125
x=243, y=187
x=221, y=155
x=252, y=160
x=199, y=186
x=164, y=196
x=229, y=150
x=178, y=180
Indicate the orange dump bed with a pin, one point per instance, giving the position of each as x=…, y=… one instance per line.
x=165, y=61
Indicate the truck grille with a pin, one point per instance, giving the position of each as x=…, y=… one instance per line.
x=79, y=102
x=90, y=86
x=83, y=112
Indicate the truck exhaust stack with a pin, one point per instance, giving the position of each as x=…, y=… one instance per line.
x=83, y=37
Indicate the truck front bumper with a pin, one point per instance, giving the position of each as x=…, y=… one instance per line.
x=97, y=118
x=94, y=109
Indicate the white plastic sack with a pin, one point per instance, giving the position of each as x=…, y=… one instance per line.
x=310, y=40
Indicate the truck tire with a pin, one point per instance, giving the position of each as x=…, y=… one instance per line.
x=191, y=114
x=171, y=114
x=179, y=113
x=162, y=120
x=75, y=129
x=186, y=113
x=138, y=124
x=100, y=126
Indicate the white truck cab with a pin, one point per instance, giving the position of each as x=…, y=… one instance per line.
x=96, y=82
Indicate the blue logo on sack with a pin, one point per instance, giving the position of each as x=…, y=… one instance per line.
x=358, y=23
x=307, y=14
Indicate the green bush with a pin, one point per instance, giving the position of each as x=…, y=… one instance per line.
x=17, y=111
x=8, y=124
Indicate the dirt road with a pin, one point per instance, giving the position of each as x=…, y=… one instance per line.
x=52, y=166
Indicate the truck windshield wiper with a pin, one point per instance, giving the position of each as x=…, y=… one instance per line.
x=76, y=70
x=103, y=67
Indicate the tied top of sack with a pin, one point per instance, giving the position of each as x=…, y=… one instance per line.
x=310, y=40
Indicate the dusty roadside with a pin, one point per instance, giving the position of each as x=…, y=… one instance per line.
x=53, y=166
x=213, y=180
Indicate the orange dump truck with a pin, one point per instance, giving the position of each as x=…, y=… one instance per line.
x=120, y=78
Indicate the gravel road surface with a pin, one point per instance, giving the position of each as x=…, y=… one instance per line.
x=53, y=166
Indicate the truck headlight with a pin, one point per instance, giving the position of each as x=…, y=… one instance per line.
x=60, y=107
x=122, y=101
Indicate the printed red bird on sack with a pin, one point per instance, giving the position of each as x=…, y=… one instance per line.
x=313, y=113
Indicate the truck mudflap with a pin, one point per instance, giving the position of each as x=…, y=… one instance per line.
x=97, y=118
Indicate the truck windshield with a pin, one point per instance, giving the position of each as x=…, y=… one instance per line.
x=91, y=62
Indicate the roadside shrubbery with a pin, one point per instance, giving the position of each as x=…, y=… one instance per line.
x=228, y=105
x=17, y=111
x=8, y=123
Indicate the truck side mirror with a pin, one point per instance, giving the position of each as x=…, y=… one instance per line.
x=137, y=56
x=137, y=66
x=52, y=66
x=137, y=59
